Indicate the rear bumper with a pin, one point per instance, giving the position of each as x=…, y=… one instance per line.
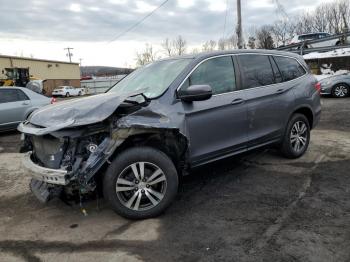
x=325, y=92
x=50, y=176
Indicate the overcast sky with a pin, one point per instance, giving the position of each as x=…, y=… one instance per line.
x=42, y=28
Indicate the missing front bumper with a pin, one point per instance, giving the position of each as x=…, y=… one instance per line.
x=50, y=176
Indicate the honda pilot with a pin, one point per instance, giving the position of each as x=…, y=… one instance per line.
x=136, y=140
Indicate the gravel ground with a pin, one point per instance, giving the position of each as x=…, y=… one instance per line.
x=256, y=207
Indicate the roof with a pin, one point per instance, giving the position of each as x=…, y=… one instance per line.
x=36, y=59
x=233, y=52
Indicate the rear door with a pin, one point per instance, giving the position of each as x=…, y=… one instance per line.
x=218, y=126
x=268, y=99
x=14, y=104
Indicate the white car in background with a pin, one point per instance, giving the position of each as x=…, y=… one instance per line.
x=313, y=36
x=68, y=91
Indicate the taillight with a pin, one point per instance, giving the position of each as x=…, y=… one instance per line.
x=318, y=87
x=53, y=100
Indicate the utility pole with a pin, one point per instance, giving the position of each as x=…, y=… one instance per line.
x=239, y=25
x=80, y=59
x=69, y=54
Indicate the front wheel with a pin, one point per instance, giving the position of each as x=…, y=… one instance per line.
x=297, y=137
x=67, y=94
x=340, y=91
x=140, y=183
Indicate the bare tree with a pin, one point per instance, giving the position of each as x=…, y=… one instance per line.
x=209, y=46
x=264, y=37
x=168, y=47
x=146, y=56
x=179, y=45
x=228, y=43
x=320, y=21
x=304, y=24
x=195, y=51
x=332, y=18
x=251, y=42
x=282, y=31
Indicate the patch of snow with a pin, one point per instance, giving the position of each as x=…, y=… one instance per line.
x=327, y=72
x=335, y=53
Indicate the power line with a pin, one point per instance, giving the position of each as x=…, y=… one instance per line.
x=223, y=32
x=138, y=22
x=280, y=9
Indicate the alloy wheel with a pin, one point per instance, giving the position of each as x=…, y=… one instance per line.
x=298, y=136
x=141, y=186
x=340, y=91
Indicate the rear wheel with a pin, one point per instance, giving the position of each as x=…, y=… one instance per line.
x=297, y=137
x=79, y=94
x=140, y=183
x=340, y=90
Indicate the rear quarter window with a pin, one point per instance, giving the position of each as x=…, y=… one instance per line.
x=289, y=68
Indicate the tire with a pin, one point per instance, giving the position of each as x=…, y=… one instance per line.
x=79, y=94
x=289, y=148
x=127, y=202
x=340, y=90
x=67, y=94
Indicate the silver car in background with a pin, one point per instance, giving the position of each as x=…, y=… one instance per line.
x=336, y=85
x=314, y=36
x=16, y=104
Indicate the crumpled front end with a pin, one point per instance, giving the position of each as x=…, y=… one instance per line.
x=66, y=153
x=65, y=159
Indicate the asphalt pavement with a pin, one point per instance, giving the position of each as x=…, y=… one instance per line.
x=255, y=207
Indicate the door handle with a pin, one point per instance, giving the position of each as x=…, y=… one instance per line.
x=25, y=103
x=280, y=91
x=237, y=101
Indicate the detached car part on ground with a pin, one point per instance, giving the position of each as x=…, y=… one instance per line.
x=136, y=140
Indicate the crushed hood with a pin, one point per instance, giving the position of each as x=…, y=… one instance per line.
x=77, y=112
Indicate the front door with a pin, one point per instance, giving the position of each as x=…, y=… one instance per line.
x=218, y=126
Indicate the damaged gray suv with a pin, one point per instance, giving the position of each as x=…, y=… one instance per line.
x=135, y=141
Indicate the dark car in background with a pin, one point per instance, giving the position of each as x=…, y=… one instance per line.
x=166, y=118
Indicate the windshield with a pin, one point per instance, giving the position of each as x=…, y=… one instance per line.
x=155, y=78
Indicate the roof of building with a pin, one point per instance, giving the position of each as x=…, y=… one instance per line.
x=37, y=59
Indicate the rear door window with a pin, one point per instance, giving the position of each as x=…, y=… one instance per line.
x=256, y=70
x=12, y=95
x=22, y=96
x=289, y=68
x=276, y=71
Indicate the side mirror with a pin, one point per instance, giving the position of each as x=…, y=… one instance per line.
x=196, y=93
